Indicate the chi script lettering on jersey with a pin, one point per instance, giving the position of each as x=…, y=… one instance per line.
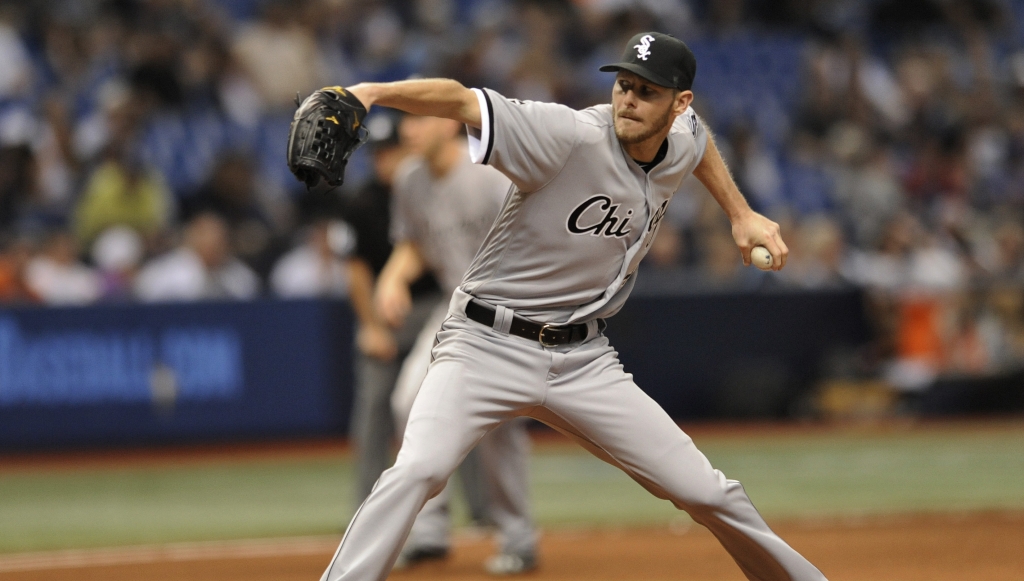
x=604, y=227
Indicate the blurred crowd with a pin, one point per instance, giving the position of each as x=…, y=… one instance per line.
x=142, y=146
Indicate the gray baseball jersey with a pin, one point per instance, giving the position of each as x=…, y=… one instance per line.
x=583, y=213
x=446, y=217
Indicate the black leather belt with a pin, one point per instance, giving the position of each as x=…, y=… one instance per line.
x=547, y=335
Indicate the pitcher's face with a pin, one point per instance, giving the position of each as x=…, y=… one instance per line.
x=642, y=109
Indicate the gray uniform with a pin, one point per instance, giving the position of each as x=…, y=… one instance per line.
x=564, y=249
x=448, y=218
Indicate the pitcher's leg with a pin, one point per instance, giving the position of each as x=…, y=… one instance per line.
x=435, y=442
x=430, y=534
x=471, y=387
x=372, y=429
x=505, y=456
x=432, y=529
x=372, y=424
x=598, y=401
x=414, y=368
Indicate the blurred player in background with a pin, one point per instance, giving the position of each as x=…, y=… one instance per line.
x=380, y=348
x=444, y=207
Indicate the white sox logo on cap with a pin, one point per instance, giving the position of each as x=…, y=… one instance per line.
x=643, y=50
x=672, y=66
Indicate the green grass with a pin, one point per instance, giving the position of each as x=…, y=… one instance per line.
x=787, y=476
x=838, y=476
x=148, y=505
x=806, y=476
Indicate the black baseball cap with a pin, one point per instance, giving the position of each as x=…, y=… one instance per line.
x=662, y=59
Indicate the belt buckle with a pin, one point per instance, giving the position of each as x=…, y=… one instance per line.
x=540, y=336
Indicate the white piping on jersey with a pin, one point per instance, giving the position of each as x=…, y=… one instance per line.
x=478, y=147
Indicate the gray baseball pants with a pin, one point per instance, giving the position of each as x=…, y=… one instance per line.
x=372, y=427
x=503, y=463
x=481, y=377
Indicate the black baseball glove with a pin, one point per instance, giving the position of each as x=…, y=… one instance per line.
x=326, y=129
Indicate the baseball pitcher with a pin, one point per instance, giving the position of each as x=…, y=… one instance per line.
x=524, y=333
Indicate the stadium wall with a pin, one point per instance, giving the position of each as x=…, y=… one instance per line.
x=138, y=374
x=146, y=374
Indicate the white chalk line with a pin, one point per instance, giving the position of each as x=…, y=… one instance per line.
x=193, y=551
x=323, y=545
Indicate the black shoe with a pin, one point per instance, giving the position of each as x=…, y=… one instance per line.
x=412, y=556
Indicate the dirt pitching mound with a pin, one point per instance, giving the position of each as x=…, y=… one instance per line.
x=976, y=547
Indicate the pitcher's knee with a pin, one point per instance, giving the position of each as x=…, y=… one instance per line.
x=712, y=496
x=423, y=472
x=708, y=501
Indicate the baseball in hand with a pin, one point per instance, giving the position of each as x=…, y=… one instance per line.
x=761, y=258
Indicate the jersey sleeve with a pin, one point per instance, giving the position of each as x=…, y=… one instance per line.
x=695, y=125
x=527, y=141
